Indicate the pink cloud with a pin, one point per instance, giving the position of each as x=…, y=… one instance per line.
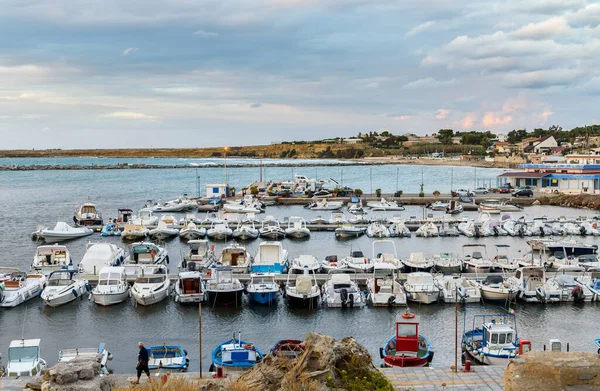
x=401, y=117
x=467, y=122
x=491, y=119
x=442, y=113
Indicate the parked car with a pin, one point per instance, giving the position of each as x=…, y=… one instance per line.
x=481, y=190
x=462, y=192
x=523, y=192
x=506, y=188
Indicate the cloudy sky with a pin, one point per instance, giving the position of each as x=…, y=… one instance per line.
x=136, y=73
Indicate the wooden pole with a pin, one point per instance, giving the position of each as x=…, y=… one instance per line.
x=200, y=334
x=456, y=330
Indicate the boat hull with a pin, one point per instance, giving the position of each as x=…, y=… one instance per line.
x=20, y=296
x=264, y=297
x=150, y=299
x=304, y=301
x=52, y=300
x=108, y=299
x=422, y=297
x=392, y=360
x=225, y=298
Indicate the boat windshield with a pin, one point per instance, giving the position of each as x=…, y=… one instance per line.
x=108, y=282
x=406, y=330
x=59, y=281
x=26, y=353
x=150, y=280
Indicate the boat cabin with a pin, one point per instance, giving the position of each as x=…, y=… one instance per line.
x=384, y=274
x=24, y=358
x=234, y=256
x=125, y=215
x=51, y=255
x=144, y=253
x=112, y=276
x=407, y=335
x=502, y=336
x=304, y=284
x=61, y=278
x=190, y=283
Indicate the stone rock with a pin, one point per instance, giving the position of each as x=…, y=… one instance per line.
x=35, y=384
x=552, y=371
x=76, y=375
x=536, y=202
x=86, y=374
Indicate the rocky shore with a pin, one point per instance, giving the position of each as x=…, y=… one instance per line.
x=589, y=201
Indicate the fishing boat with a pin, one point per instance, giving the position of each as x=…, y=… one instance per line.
x=170, y=358
x=236, y=257
x=384, y=251
x=341, y=291
x=110, y=229
x=492, y=338
x=62, y=287
x=245, y=230
x=152, y=286
x=63, y=231
x=24, y=358
x=271, y=257
x=287, y=348
x=324, y=204
x=474, y=261
x=271, y=229
x=223, y=288
x=99, y=255
x=48, y=258
x=302, y=290
x=421, y=288
x=358, y=262
x=134, y=232
x=112, y=287
x=447, y=263
x=189, y=287
x=16, y=287
x=384, y=205
x=417, y=262
x=348, y=231
x=498, y=288
x=163, y=231
x=199, y=256
x=235, y=354
x=458, y=289
x=378, y=230
x=297, y=228
x=305, y=262
x=87, y=215
x=407, y=348
x=262, y=288
x=219, y=230
x=191, y=231
x=66, y=355
x=383, y=287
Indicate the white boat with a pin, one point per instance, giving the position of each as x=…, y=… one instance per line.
x=271, y=229
x=501, y=260
x=468, y=228
x=263, y=288
x=384, y=251
x=358, y=262
x=590, y=228
x=417, y=262
x=348, y=231
x=475, y=261
x=170, y=220
x=491, y=205
x=399, y=229
x=454, y=207
x=337, y=218
x=112, y=287
x=515, y=228
x=50, y=257
x=359, y=218
x=588, y=261
x=63, y=287
x=99, y=255
x=189, y=288
x=134, y=232
x=456, y=288
x=302, y=290
x=271, y=257
x=87, y=215
x=191, y=231
x=341, y=291
x=428, y=230
x=378, y=230
x=199, y=256
x=152, y=285
x=384, y=205
x=236, y=257
x=305, y=262
x=324, y=204
x=148, y=253
x=63, y=231
x=541, y=228
x=566, y=285
x=421, y=288
x=447, y=263
x=331, y=263
x=16, y=287
x=529, y=279
x=179, y=205
x=223, y=288
x=211, y=217
x=297, y=228
x=245, y=230
x=356, y=208
x=219, y=231
x=383, y=287
x=66, y=355
x=145, y=217
x=447, y=228
x=247, y=205
x=24, y=358
x=440, y=206
x=573, y=229
x=591, y=279
x=162, y=231
x=497, y=288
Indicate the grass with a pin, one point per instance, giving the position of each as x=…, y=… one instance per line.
x=174, y=383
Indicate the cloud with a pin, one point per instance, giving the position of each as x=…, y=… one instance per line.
x=128, y=51
x=546, y=113
x=428, y=82
x=420, y=28
x=207, y=34
x=255, y=105
x=130, y=115
x=542, y=78
x=442, y=113
x=491, y=119
x=397, y=117
x=548, y=28
x=467, y=122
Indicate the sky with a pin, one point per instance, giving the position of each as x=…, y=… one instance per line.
x=180, y=73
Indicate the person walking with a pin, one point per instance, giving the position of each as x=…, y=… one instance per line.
x=142, y=364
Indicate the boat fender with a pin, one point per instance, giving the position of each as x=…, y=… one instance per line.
x=351, y=298
x=74, y=292
x=430, y=358
x=167, y=258
x=382, y=353
x=577, y=294
x=88, y=287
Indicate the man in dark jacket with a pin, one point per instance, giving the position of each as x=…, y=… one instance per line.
x=142, y=365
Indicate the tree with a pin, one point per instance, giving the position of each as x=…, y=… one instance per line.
x=445, y=136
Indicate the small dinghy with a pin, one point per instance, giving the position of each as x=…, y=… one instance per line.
x=134, y=232
x=378, y=230
x=407, y=348
x=172, y=358
x=330, y=263
x=111, y=229
x=246, y=230
x=63, y=231
x=287, y=348
x=191, y=231
x=16, y=287
x=324, y=204
x=297, y=228
x=63, y=287
x=235, y=354
x=162, y=231
x=219, y=230
x=384, y=205
x=348, y=231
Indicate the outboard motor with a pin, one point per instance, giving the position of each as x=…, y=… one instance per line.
x=191, y=266
x=495, y=229
x=391, y=301
x=344, y=297
x=578, y=295
x=351, y=299
x=477, y=233
x=582, y=230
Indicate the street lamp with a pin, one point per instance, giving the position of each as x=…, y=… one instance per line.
x=225, y=155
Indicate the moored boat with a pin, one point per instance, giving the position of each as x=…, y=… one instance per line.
x=48, y=258
x=16, y=287
x=407, y=348
x=24, y=358
x=87, y=215
x=63, y=231
x=189, y=287
x=223, y=288
x=263, y=288
x=63, y=287
x=168, y=357
x=287, y=348
x=235, y=354
x=112, y=286
x=152, y=286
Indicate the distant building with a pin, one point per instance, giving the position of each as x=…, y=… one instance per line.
x=353, y=141
x=456, y=140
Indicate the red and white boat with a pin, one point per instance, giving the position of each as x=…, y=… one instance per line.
x=407, y=348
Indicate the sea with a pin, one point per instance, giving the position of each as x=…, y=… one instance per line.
x=29, y=199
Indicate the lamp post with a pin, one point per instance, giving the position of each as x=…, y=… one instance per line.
x=225, y=156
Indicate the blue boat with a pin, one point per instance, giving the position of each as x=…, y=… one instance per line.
x=235, y=354
x=598, y=344
x=111, y=229
x=263, y=289
x=271, y=258
x=173, y=358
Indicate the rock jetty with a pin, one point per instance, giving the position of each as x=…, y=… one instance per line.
x=82, y=374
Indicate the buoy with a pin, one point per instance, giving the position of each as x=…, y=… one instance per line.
x=408, y=315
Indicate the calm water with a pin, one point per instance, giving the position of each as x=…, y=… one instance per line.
x=44, y=197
